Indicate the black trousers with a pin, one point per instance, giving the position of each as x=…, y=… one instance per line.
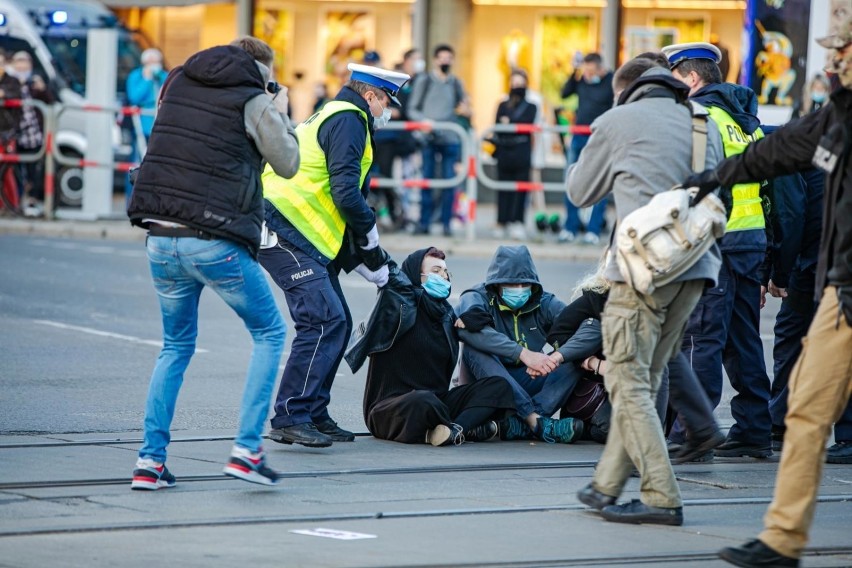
x=512, y=205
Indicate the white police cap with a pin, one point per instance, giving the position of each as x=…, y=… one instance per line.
x=388, y=81
x=680, y=52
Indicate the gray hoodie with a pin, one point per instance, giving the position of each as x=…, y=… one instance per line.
x=639, y=149
x=513, y=329
x=272, y=132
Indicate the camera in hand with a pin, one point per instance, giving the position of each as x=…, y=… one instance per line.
x=273, y=87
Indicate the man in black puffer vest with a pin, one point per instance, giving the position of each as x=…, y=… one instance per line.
x=198, y=193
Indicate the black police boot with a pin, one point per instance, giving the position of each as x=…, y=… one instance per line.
x=305, y=434
x=736, y=449
x=336, y=433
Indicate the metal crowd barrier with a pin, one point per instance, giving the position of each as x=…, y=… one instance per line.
x=466, y=174
x=530, y=129
x=472, y=172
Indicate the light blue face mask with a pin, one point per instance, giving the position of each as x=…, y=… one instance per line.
x=516, y=297
x=437, y=287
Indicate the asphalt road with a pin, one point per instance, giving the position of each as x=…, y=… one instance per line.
x=79, y=327
x=80, y=330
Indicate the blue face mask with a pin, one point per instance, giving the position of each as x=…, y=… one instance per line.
x=437, y=287
x=516, y=297
x=818, y=97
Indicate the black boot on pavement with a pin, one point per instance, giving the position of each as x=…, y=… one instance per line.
x=736, y=449
x=696, y=450
x=335, y=432
x=593, y=498
x=841, y=452
x=305, y=434
x=636, y=512
x=756, y=554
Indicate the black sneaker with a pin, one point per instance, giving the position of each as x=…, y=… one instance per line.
x=305, y=434
x=335, y=432
x=150, y=476
x=736, y=449
x=841, y=452
x=755, y=553
x=482, y=433
x=636, y=512
x=250, y=467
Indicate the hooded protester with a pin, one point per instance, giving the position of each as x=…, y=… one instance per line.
x=413, y=348
x=522, y=314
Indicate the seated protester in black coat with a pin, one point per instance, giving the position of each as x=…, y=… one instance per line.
x=413, y=348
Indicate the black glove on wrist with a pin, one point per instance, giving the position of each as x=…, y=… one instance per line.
x=476, y=319
x=374, y=258
x=706, y=182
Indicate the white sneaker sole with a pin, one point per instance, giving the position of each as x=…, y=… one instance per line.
x=150, y=486
x=251, y=476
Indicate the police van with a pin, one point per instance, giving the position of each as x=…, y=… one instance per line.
x=54, y=32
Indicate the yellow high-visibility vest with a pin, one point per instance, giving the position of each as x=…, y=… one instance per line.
x=747, y=210
x=305, y=199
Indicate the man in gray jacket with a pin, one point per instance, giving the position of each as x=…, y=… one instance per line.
x=640, y=148
x=519, y=315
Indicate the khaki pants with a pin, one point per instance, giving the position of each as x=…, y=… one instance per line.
x=820, y=387
x=640, y=335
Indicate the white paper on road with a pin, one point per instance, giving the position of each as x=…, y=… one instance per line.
x=333, y=533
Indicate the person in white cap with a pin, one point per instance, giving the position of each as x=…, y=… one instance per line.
x=321, y=224
x=725, y=326
x=821, y=383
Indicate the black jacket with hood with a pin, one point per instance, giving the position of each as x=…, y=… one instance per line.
x=202, y=169
x=513, y=330
x=395, y=313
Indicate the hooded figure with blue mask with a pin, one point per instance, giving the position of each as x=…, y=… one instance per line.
x=411, y=340
x=511, y=348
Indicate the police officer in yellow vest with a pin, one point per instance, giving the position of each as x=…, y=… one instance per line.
x=724, y=328
x=317, y=224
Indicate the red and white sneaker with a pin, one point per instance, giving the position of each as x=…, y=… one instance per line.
x=250, y=467
x=150, y=476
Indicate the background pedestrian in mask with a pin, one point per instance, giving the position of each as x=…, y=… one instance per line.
x=514, y=156
x=814, y=96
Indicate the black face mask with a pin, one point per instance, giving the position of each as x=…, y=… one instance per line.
x=445, y=68
x=518, y=92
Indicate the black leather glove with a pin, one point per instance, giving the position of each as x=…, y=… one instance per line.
x=476, y=319
x=374, y=258
x=706, y=182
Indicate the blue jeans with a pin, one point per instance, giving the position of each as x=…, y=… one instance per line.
x=542, y=395
x=450, y=155
x=572, y=212
x=181, y=268
x=323, y=325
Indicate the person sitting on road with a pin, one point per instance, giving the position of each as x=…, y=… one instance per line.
x=413, y=348
x=511, y=348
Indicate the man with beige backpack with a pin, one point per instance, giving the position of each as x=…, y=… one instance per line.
x=641, y=148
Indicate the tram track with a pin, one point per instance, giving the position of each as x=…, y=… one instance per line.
x=370, y=515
